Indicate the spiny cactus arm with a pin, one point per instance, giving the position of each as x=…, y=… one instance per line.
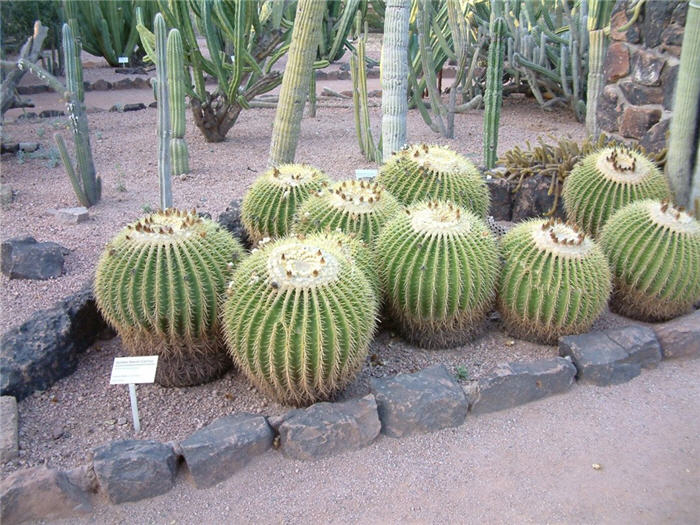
x=596, y=55
x=164, y=168
x=295, y=85
x=344, y=26
x=684, y=121
x=394, y=76
x=358, y=73
x=68, y=165
x=41, y=73
x=493, y=97
x=148, y=39
x=423, y=26
x=176, y=95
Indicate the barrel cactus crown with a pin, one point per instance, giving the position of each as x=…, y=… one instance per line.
x=299, y=318
x=159, y=283
x=421, y=172
x=555, y=280
x=358, y=207
x=604, y=181
x=654, y=252
x=439, y=266
x=270, y=204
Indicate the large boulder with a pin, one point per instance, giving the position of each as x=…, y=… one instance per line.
x=9, y=439
x=680, y=337
x=25, y=258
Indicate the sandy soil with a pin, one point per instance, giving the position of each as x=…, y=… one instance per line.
x=532, y=464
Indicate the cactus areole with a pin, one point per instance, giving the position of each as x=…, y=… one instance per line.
x=654, y=252
x=299, y=318
x=353, y=207
x=439, y=267
x=420, y=172
x=159, y=283
x=605, y=181
x=555, y=280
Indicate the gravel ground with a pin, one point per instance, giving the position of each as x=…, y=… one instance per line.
x=531, y=464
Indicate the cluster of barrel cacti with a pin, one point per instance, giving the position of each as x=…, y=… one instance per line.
x=298, y=314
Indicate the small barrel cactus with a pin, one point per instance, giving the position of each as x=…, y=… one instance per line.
x=606, y=180
x=159, y=283
x=421, y=172
x=439, y=266
x=654, y=251
x=270, y=204
x=555, y=280
x=299, y=318
x=357, y=207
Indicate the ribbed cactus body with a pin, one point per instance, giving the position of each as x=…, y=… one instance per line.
x=439, y=267
x=555, y=281
x=654, y=252
x=299, y=319
x=422, y=172
x=158, y=283
x=493, y=97
x=270, y=204
x=353, y=207
x=605, y=181
x=179, y=157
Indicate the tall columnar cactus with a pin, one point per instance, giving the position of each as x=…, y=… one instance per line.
x=394, y=76
x=654, y=252
x=299, y=319
x=269, y=206
x=159, y=283
x=598, y=19
x=179, y=158
x=420, y=172
x=605, y=181
x=555, y=281
x=493, y=97
x=163, y=98
x=87, y=187
x=685, y=122
x=353, y=207
x=295, y=83
x=439, y=267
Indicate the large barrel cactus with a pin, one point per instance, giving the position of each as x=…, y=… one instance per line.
x=439, y=266
x=422, y=172
x=299, y=318
x=654, y=251
x=159, y=283
x=604, y=181
x=270, y=204
x=555, y=280
x=353, y=207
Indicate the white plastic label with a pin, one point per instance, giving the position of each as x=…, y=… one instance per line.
x=365, y=174
x=123, y=60
x=132, y=370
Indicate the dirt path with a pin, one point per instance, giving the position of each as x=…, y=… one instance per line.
x=532, y=464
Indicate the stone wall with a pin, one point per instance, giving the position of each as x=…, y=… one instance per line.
x=640, y=72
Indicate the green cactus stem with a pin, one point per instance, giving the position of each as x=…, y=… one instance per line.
x=493, y=98
x=179, y=157
x=159, y=283
x=299, y=319
x=654, y=252
x=164, y=130
x=555, y=281
x=439, y=267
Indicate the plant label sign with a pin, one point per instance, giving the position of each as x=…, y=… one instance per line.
x=123, y=60
x=365, y=174
x=132, y=370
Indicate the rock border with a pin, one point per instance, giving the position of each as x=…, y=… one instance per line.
x=424, y=401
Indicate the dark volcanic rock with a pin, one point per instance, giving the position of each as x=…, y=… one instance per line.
x=231, y=220
x=25, y=258
x=533, y=199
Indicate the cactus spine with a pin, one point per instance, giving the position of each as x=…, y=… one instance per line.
x=654, y=252
x=555, y=281
x=87, y=187
x=295, y=82
x=159, y=283
x=682, y=147
x=176, y=93
x=164, y=131
x=493, y=97
x=299, y=319
x=439, y=267
x=394, y=79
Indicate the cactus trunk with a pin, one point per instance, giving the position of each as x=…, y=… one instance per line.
x=295, y=83
x=494, y=93
x=166, y=192
x=395, y=76
x=684, y=123
x=596, y=56
x=176, y=92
